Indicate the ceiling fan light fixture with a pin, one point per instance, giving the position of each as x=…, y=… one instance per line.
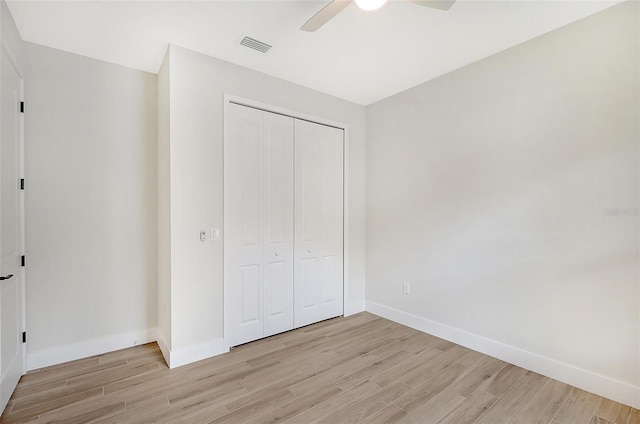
x=370, y=4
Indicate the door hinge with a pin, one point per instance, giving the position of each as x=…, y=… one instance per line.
x=21, y=107
x=22, y=261
x=21, y=183
x=24, y=337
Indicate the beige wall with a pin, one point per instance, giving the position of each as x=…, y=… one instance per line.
x=90, y=206
x=487, y=190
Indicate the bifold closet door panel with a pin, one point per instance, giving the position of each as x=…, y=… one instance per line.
x=278, y=223
x=243, y=226
x=318, y=197
x=258, y=224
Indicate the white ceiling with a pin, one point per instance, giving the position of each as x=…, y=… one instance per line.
x=358, y=56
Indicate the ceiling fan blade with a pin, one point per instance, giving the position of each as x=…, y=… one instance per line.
x=436, y=4
x=325, y=15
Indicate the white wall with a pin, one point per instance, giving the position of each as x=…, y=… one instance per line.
x=197, y=86
x=90, y=206
x=164, y=210
x=10, y=36
x=487, y=190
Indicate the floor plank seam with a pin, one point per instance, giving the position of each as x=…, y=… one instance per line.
x=566, y=399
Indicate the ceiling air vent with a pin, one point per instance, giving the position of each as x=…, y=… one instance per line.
x=255, y=44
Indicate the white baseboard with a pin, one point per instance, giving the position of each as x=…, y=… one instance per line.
x=595, y=383
x=189, y=354
x=73, y=351
x=164, y=347
x=174, y=358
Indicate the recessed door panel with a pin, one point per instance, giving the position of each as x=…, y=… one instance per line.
x=332, y=175
x=309, y=285
x=312, y=181
x=275, y=298
x=331, y=279
x=250, y=283
x=251, y=185
x=278, y=146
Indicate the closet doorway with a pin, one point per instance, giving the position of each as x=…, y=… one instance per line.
x=283, y=221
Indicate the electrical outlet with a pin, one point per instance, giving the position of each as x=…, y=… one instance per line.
x=406, y=288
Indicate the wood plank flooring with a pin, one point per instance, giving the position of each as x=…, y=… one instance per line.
x=360, y=369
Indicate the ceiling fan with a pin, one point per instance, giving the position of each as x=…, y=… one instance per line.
x=332, y=9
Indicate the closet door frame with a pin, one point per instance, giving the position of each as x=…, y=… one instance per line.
x=233, y=99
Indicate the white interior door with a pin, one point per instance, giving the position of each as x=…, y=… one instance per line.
x=258, y=224
x=11, y=235
x=318, y=262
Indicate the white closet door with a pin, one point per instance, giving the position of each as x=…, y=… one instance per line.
x=243, y=240
x=278, y=220
x=318, y=262
x=258, y=224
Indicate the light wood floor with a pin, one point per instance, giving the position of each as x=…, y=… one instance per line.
x=360, y=369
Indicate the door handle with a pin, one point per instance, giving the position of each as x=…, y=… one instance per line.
x=6, y=277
